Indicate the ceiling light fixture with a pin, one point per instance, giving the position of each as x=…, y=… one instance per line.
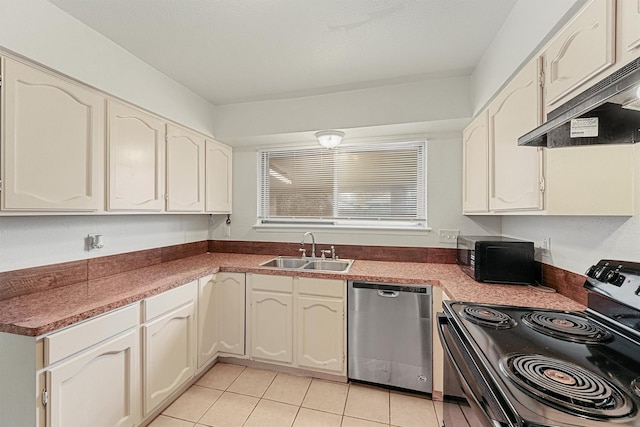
x=330, y=138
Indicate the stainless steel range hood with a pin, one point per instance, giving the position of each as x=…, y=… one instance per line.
x=606, y=113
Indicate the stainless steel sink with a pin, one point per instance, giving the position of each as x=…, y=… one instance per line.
x=328, y=265
x=316, y=264
x=285, y=262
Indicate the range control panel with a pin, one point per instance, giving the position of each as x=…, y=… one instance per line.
x=616, y=279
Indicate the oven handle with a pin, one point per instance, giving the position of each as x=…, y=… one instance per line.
x=443, y=323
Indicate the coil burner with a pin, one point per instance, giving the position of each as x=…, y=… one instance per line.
x=567, y=387
x=486, y=316
x=569, y=327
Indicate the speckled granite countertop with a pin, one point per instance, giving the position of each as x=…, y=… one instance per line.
x=39, y=313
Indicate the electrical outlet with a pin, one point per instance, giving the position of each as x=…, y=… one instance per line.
x=546, y=246
x=448, y=236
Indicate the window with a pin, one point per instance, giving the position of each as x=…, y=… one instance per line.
x=380, y=185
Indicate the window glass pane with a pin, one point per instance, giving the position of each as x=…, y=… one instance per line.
x=374, y=182
x=301, y=184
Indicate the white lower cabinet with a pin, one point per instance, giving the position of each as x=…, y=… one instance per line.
x=297, y=321
x=221, y=304
x=92, y=372
x=320, y=308
x=116, y=369
x=271, y=318
x=96, y=387
x=169, y=344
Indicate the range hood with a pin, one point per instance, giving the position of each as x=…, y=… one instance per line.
x=606, y=113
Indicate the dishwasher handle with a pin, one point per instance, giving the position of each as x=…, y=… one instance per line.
x=388, y=294
x=388, y=287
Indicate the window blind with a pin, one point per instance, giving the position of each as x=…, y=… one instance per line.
x=382, y=182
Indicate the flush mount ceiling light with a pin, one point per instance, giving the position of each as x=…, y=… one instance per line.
x=329, y=138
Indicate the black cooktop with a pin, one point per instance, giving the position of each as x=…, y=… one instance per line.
x=555, y=367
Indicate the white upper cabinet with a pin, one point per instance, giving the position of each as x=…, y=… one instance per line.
x=574, y=189
x=136, y=147
x=628, y=30
x=53, y=143
x=515, y=172
x=185, y=170
x=475, y=146
x=218, y=177
x=580, y=52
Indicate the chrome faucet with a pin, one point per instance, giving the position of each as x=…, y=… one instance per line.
x=313, y=243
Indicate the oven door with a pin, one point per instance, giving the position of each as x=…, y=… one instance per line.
x=480, y=391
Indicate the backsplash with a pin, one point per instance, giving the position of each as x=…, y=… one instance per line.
x=566, y=283
x=36, y=279
x=371, y=253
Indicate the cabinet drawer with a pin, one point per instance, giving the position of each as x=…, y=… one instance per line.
x=272, y=283
x=166, y=301
x=321, y=287
x=68, y=341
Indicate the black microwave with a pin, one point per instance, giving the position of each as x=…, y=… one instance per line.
x=496, y=259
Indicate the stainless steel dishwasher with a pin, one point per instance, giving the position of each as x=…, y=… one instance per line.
x=389, y=334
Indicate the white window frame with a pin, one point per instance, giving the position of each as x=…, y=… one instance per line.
x=416, y=224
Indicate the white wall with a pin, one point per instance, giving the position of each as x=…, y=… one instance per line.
x=417, y=102
x=578, y=242
x=38, y=30
x=444, y=174
x=41, y=240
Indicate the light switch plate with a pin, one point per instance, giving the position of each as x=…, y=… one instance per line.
x=448, y=236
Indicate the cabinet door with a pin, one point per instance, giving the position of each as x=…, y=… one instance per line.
x=271, y=326
x=54, y=135
x=515, y=172
x=136, y=159
x=208, y=325
x=320, y=337
x=475, y=146
x=218, y=177
x=168, y=354
x=98, y=387
x=185, y=170
x=581, y=50
x=628, y=30
x=230, y=307
x=221, y=315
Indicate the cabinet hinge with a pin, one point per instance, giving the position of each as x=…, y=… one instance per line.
x=0, y=81
x=541, y=79
x=45, y=397
x=0, y=185
x=542, y=184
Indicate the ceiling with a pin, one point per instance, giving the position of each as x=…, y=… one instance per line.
x=233, y=51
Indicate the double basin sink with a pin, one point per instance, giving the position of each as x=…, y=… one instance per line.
x=313, y=264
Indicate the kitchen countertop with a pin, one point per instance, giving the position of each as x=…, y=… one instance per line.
x=40, y=313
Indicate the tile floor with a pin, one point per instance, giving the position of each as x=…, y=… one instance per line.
x=234, y=396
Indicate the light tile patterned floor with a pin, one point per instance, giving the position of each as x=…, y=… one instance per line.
x=237, y=396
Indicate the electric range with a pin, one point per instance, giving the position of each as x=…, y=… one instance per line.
x=527, y=366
